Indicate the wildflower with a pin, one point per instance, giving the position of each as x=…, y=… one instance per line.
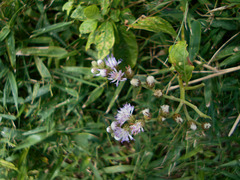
x=135, y=82
x=177, y=118
x=112, y=62
x=116, y=76
x=157, y=93
x=136, y=128
x=206, y=126
x=102, y=72
x=193, y=126
x=146, y=114
x=165, y=109
x=129, y=72
x=124, y=113
x=121, y=134
x=94, y=64
x=150, y=81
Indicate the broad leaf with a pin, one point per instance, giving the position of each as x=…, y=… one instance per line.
x=88, y=26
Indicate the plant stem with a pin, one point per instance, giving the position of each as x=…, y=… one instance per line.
x=195, y=87
x=182, y=95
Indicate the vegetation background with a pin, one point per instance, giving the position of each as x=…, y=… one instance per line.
x=54, y=112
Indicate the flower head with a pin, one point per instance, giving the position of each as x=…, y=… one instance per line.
x=193, y=126
x=165, y=108
x=150, y=81
x=116, y=76
x=206, y=126
x=147, y=114
x=121, y=134
x=102, y=72
x=136, y=128
x=135, y=82
x=112, y=62
x=124, y=113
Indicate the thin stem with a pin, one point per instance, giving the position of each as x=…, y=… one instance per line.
x=195, y=87
x=188, y=104
x=186, y=113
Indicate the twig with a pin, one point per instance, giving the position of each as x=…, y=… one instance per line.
x=209, y=76
x=222, y=47
x=234, y=126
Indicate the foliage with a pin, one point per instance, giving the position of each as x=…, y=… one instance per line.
x=54, y=112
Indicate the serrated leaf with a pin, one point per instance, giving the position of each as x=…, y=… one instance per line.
x=88, y=26
x=104, y=39
x=14, y=88
x=195, y=39
x=95, y=94
x=4, y=32
x=154, y=24
x=92, y=12
x=10, y=44
x=127, y=48
x=78, y=13
x=42, y=69
x=178, y=56
x=49, y=51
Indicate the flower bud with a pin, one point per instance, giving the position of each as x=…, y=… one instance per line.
x=164, y=110
x=94, y=64
x=157, y=93
x=177, y=118
x=147, y=114
x=150, y=81
x=101, y=64
x=135, y=82
x=161, y=118
x=206, y=126
x=102, y=72
x=193, y=126
x=129, y=72
x=94, y=70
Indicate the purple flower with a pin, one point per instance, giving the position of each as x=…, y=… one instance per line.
x=116, y=76
x=136, y=128
x=122, y=135
x=112, y=62
x=124, y=113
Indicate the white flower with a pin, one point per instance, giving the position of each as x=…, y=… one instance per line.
x=112, y=62
x=120, y=134
x=157, y=93
x=102, y=72
x=108, y=129
x=193, y=126
x=206, y=125
x=116, y=76
x=165, y=108
x=135, y=82
x=101, y=63
x=145, y=112
x=124, y=113
x=150, y=81
x=136, y=128
x=163, y=118
x=178, y=119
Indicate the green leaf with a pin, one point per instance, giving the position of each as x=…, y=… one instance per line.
x=117, y=169
x=195, y=39
x=92, y=12
x=70, y=91
x=178, y=56
x=55, y=27
x=234, y=59
x=208, y=92
x=77, y=70
x=126, y=15
x=88, y=26
x=68, y=7
x=7, y=164
x=115, y=96
x=154, y=24
x=104, y=39
x=78, y=13
x=127, y=48
x=10, y=44
x=7, y=116
x=91, y=40
x=14, y=88
x=4, y=32
x=43, y=70
x=50, y=51
x=33, y=139
x=105, y=6
x=231, y=163
x=192, y=153
x=115, y=15
x=95, y=94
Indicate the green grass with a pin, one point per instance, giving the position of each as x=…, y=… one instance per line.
x=54, y=112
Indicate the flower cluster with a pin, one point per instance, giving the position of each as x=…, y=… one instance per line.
x=125, y=124
x=108, y=68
